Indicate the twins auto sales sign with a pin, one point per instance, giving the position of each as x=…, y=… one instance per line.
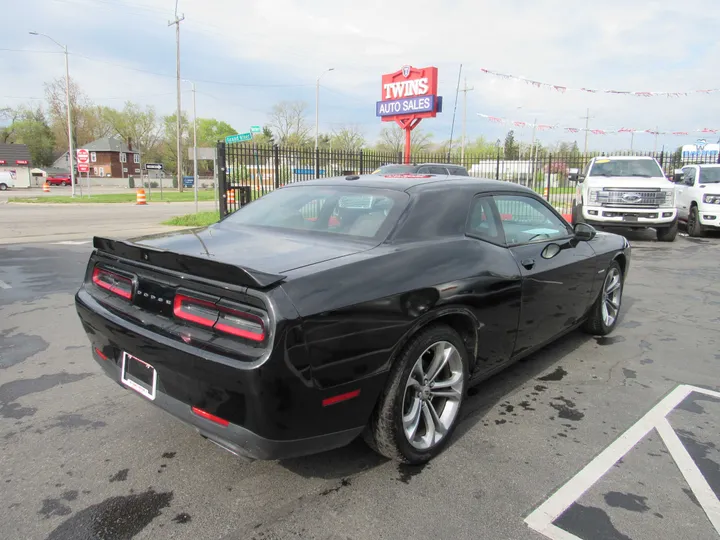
x=409, y=93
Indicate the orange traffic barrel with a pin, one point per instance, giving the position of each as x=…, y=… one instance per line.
x=231, y=196
x=46, y=187
x=141, y=196
x=546, y=192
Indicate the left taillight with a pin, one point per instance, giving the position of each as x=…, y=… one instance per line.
x=235, y=320
x=113, y=282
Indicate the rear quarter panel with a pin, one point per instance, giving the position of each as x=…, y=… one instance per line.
x=356, y=316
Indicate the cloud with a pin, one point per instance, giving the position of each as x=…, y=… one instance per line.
x=659, y=45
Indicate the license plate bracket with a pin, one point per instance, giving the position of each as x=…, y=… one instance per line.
x=630, y=218
x=138, y=375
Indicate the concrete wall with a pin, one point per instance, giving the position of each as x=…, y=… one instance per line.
x=123, y=182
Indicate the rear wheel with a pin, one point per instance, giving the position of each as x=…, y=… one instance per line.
x=63, y=184
x=3, y=187
x=418, y=410
x=667, y=234
x=694, y=228
x=603, y=316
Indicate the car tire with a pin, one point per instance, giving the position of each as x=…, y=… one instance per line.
x=694, y=228
x=667, y=234
x=3, y=187
x=598, y=323
x=63, y=184
x=408, y=400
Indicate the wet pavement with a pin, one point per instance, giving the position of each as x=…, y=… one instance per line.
x=80, y=457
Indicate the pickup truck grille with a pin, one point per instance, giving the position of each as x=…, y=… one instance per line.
x=630, y=197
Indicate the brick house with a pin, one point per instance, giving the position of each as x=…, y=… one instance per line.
x=109, y=157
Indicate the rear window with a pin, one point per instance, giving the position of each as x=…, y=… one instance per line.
x=362, y=213
x=396, y=169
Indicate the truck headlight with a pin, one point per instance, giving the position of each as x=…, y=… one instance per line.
x=669, y=198
x=711, y=199
x=598, y=196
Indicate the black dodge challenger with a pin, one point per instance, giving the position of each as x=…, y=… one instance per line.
x=354, y=305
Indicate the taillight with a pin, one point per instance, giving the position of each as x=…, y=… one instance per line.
x=219, y=317
x=115, y=283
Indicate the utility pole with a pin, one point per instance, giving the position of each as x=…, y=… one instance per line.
x=177, y=22
x=464, y=90
x=587, y=130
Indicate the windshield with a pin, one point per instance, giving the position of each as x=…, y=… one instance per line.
x=646, y=168
x=395, y=169
x=709, y=175
x=360, y=212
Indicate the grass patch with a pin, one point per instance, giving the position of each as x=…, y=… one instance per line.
x=201, y=219
x=130, y=197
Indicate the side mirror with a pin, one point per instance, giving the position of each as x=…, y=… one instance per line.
x=573, y=175
x=584, y=232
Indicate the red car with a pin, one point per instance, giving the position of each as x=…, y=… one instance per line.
x=59, y=180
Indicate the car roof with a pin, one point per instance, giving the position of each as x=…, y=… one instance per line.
x=705, y=165
x=415, y=183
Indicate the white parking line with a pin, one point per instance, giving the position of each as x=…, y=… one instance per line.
x=541, y=519
x=72, y=242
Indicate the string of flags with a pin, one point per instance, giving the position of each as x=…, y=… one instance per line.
x=594, y=131
x=562, y=89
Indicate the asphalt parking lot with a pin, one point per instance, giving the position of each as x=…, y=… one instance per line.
x=540, y=447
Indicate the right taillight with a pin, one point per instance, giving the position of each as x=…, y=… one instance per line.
x=113, y=282
x=222, y=318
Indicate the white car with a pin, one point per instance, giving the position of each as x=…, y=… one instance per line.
x=7, y=180
x=697, y=197
x=629, y=192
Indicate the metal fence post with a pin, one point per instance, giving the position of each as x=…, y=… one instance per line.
x=222, y=179
x=317, y=163
x=276, y=164
x=497, y=166
x=549, y=176
x=362, y=169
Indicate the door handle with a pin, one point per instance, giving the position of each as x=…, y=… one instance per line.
x=528, y=263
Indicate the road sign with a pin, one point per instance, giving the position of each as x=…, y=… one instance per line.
x=153, y=166
x=83, y=156
x=83, y=167
x=255, y=129
x=240, y=137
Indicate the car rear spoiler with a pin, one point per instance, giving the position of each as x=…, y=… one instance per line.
x=187, y=264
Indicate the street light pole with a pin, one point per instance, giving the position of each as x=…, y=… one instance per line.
x=71, y=153
x=195, y=173
x=177, y=22
x=317, y=106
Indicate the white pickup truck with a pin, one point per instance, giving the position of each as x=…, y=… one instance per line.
x=697, y=197
x=626, y=192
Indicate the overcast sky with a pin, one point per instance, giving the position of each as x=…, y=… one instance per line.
x=247, y=55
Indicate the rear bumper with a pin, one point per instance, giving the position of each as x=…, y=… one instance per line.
x=273, y=412
x=236, y=439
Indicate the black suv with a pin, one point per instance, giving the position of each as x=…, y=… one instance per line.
x=423, y=168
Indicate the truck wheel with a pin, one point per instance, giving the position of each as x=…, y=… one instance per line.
x=604, y=313
x=419, y=409
x=667, y=234
x=3, y=187
x=694, y=228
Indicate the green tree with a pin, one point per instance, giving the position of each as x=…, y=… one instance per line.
x=512, y=150
x=210, y=131
x=392, y=139
x=168, y=149
x=29, y=126
x=265, y=138
x=347, y=138
x=139, y=128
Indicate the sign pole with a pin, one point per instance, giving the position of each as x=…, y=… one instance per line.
x=408, y=143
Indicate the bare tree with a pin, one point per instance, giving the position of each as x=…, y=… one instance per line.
x=347, y=138
x=392, y=139
x=137, y=127
x=289, y=123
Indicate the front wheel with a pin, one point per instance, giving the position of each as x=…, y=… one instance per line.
x=63, y=184
x=603, y=316
x=667, y=234
x=694, y=228
x=418, y=410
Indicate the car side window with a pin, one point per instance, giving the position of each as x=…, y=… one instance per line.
x=527, y=220
x=438, y=170
x=482, y=221
x=690, y=178
x=423, y=170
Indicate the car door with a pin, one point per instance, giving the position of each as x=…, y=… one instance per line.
x=557, y=269
x=682, y=192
